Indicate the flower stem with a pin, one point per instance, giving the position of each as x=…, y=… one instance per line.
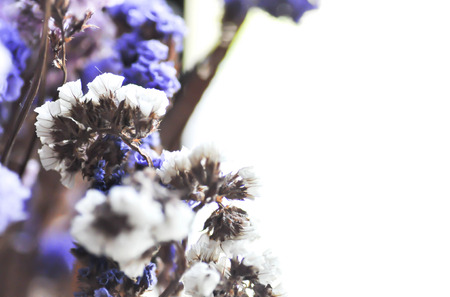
x=136, y=147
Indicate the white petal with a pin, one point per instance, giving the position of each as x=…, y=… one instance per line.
x=48, y=157
x=104, y=85
x=70, y=93
x=92, y=199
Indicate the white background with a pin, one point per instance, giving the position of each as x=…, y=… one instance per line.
x=347, y=119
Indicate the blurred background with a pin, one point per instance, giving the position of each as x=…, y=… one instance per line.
x=345, y=117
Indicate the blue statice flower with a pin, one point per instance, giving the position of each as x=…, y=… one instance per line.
x=14, y=54
x=148, y=144
x=142, y=62
x=141, y=15
x=148, y=279
x=101, y=274
x=150, y=70
x=12, y=198
x=155, y=75
x=111, y=277
x=102, y=292
x=126, y=47
x=54, y=257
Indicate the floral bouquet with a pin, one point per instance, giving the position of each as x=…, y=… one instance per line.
x=97, y=196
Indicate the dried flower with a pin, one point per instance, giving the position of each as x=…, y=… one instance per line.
x=201, y=280
x=118, y=227
x=197, y=173
x=76, y=129
x=125, y=224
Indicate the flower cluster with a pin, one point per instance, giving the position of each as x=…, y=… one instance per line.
x=101, y=276
x=227, y=260
x=198, y=176
x=142, y=62
x=131, y=232
x=151, y=20
x=76, y=129
x=127, y=224
x=14, y=55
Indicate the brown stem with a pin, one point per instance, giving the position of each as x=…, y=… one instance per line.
x=33, y=89
x=194, y=83
x=136, y=147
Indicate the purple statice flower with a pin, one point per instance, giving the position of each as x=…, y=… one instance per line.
x=12, y=198
x=14, y=54
x=156, y=14
x=54, y=257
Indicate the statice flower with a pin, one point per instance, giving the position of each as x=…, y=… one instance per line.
x=150, y=16
x=13, y=195
x=145, y=64
x=76, y=130
x=198, y=175
x=201, y=280
x=128, y=223
x=14, y=55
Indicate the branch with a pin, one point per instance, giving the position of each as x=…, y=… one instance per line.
x=193, y=84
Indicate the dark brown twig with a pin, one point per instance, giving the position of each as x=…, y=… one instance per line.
x=194, y=83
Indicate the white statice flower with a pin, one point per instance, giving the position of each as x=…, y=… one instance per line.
x=72, y=124
x=208, y=150
x=268, y=267
x=204, y=250
x=104, y=85
x=208, y=251
x=119, y=226
x=45, y=120
x=177, y=222
x=174, y=162
x=70, y=93
x=147, y=100
x=51, y=161
x=201, y=280
x=246, y=242
x=251, y=181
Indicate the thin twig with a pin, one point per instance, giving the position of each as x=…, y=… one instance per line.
x=33, y=89
x=136, y=147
